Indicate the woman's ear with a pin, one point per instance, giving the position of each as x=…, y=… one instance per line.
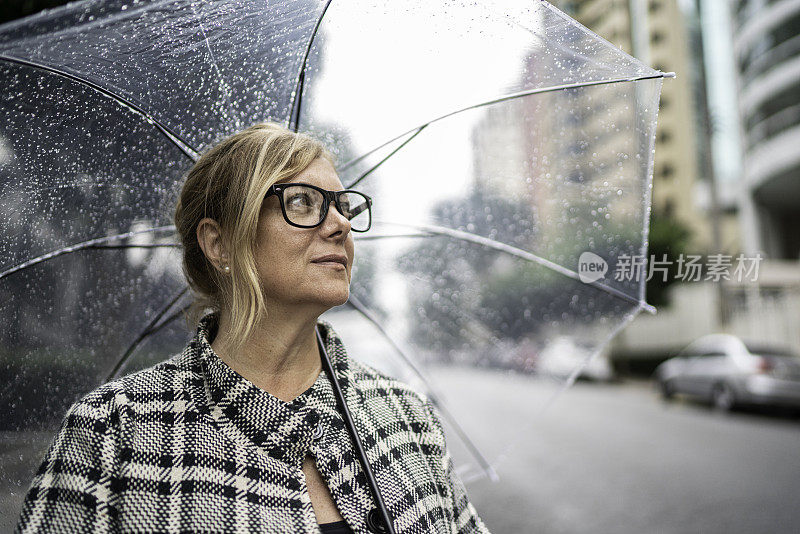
x=209, y=237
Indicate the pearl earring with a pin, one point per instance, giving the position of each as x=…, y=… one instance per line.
x=226, y=268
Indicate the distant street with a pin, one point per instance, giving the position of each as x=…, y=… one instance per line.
x=616, y=459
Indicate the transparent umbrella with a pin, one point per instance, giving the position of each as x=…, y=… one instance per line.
x=508, y=151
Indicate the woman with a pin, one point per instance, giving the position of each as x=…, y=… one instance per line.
x=241, y=432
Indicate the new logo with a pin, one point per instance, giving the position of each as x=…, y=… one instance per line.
x=591, y=267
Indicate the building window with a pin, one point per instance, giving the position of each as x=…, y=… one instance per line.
x=667, y=170
x=669, y=208
x=664, y=136
x=657, y=37
x=576, y=176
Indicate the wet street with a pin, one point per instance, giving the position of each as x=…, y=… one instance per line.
x=616, y=459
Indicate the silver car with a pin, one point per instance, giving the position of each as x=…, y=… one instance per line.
x=724, y=370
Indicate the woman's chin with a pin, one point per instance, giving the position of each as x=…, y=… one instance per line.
x=331, y=299
x=342, y=299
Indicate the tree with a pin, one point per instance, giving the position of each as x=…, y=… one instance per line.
x=668, y=240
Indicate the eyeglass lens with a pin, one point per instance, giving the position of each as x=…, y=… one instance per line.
x=306, y=206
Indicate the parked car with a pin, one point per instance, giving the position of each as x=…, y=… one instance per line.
x=727, y=372
x=562, y=356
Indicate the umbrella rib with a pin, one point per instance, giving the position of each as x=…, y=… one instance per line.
x=512, y=96
x=151, y=332
x=363, y=310
x=150, y=329
x=294, y=116
x=91, y=243
x=149, y=245
x=389, y=236
x=163, y=128
x=224, y=87
x=381, y=162
x=514, y=251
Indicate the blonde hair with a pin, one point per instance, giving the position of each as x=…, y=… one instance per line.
x=228, y=184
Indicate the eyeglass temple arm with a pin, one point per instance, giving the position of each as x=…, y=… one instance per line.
x=358, y=209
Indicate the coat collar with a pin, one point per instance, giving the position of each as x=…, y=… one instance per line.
x=282, y=430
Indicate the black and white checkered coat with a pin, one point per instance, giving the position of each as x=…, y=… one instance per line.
x=191, y=446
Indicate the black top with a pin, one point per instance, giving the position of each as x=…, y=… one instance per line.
x=339, y=527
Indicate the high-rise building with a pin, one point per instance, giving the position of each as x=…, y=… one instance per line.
x=766, y=36
x=655, y=32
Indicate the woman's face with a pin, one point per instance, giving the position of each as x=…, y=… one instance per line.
x=287, y=257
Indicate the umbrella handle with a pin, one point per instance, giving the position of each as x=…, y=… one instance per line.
x=351, y=427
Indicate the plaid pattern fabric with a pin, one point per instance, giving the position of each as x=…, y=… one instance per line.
x=191, y=446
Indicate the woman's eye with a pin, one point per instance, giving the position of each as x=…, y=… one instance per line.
x=299, y=200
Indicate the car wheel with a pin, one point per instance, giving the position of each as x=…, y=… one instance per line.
x=667, y=391
x=723, y=398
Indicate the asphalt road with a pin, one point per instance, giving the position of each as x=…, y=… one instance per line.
x=614, y=458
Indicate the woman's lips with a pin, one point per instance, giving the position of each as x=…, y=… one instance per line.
x=332, y=260
x=333, y=264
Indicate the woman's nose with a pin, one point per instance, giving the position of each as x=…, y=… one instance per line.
x=336, y=219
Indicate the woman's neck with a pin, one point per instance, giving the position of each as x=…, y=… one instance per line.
x=279, y=356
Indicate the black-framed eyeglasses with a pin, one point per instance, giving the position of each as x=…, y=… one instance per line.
x=306, y=206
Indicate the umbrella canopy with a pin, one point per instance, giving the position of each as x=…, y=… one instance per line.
x=508, y=151
x=511, y=178
x=105, y=106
